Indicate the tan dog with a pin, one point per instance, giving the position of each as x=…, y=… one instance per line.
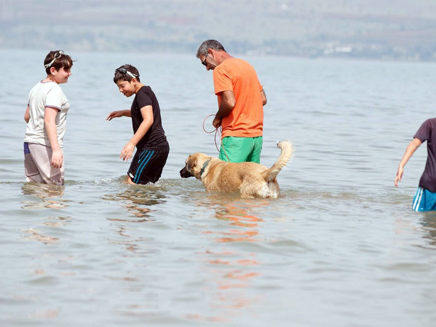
x=249, y=178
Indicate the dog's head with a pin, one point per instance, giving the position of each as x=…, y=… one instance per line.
x=194, y=165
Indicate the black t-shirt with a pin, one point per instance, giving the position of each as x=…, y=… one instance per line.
x=427, y=132
x=155, y=137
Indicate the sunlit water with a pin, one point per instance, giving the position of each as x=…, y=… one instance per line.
x=340, y=247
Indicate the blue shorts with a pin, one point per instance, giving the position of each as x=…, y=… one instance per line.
x=424, y=200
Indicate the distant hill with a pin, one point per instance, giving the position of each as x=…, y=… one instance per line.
x=379, y=29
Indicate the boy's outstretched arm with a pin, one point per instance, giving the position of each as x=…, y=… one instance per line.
x=410, y=150
x=119, y=113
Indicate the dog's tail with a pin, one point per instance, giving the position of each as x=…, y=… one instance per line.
x=287, y=150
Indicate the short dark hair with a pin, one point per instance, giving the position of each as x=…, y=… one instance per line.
x=125, y=72
x=62, y=61
x=209, y=44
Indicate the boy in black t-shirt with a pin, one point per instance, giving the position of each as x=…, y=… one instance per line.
x=149, y=136
x=425, y=197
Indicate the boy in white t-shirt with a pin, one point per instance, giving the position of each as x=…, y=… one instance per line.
x=46, y=118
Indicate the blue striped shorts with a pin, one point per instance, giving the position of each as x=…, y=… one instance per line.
x=147, y=165
x=424, y=200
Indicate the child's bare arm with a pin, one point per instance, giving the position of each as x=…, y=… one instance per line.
x=410, y=150
x=148, y=118
x=57, y=158
x=27, y=115
x=119, y=113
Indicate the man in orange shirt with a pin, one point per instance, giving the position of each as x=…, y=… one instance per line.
x=240, y=103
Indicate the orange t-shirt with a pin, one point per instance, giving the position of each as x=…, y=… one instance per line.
x=246, y=118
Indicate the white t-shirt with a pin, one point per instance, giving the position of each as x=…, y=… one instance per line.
x=42, y=95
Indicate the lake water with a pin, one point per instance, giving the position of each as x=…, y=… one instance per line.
x=340, y=247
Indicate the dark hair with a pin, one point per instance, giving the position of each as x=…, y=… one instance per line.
x=209, y=44
x=58, y=60
x=125, y=72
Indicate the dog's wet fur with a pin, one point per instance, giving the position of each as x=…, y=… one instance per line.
x=251, y=179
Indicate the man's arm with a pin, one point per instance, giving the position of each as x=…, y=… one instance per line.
x=226, y=103
x=263, y=96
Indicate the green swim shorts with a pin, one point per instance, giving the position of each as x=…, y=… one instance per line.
x=241, y=149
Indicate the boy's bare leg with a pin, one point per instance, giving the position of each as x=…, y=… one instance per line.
x=129, y=180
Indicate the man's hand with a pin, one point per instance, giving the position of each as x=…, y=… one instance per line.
x=216, y=122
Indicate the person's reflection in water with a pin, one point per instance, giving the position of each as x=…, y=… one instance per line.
x=138, y=201
x=429, y=223
x=49, y=196
x=233, y=268
x=128, y=229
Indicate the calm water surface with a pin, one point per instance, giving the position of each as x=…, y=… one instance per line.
x=340, y=247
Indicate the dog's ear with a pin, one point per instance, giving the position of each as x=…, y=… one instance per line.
x=191, y=162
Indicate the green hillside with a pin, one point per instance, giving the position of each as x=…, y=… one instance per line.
x=310, y=28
